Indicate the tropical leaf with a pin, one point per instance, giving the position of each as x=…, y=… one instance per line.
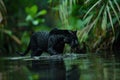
x=104, y=21
x=32, y=10
x=9, y=33
x=1, y=17
x=92, y=8
x=115, y=12
x=110, y=17
x=3, y=12
x=65, y=10
x=117, y=5
x=42, y=12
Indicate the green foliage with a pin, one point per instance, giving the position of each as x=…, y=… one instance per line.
x=92, y=18
x=26, y=18
x=5, y=34
x=33, y=20
x=103, y=19
x=65, y=10
x=33, y=15
x=25, y=40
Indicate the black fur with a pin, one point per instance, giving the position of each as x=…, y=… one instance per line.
x=52, y=42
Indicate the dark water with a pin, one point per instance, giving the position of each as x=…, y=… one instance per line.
x=70, y=67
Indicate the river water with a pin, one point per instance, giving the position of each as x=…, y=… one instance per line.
x=68, y=67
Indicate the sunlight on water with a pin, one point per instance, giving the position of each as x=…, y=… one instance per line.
x=68, y=67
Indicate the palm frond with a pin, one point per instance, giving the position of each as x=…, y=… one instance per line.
x=2, y=5
x=110, y=18
x=96, y=19
x=65, y=9
x=92, y=8
x=3, y=12
x=115, y=12
x=117, y=5
x=104, y=20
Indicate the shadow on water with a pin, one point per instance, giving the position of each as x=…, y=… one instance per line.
x=50, y=70
x=70, y=67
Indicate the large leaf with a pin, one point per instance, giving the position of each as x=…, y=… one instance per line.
x=42, y=12
x=29, y=18
x=32, y=10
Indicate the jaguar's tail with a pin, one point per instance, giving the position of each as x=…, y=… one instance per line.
x=26, y=51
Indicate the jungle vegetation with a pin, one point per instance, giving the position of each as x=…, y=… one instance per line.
x=97, y=22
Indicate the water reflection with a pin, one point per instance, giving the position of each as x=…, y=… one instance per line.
x=50, y=70
x=69, y=68
x=74, y=73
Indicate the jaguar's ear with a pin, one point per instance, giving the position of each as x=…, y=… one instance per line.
x=54, y=31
